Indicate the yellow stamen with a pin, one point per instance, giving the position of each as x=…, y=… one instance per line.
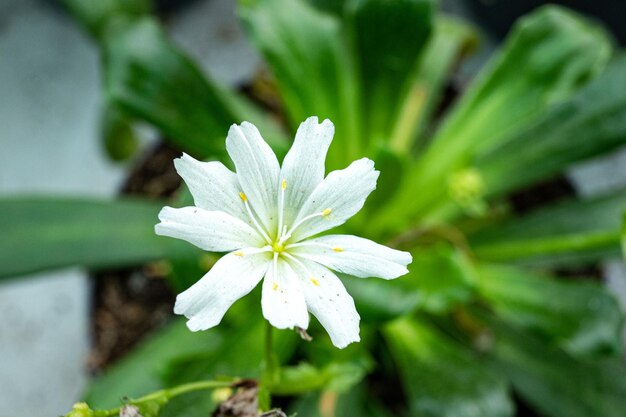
x=239, y=253
x=315, y=282
x=338, y=249
x=283, y=184
x=243, y=196
x=326, y=212
x=275, y=286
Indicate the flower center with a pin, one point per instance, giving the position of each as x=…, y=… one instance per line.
x=278, y=246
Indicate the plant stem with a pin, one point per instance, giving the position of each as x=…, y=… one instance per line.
x=269, y=350
x=167, y=394
x=197, y=386
x=271, y=371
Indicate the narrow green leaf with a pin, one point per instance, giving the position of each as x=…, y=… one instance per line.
x=548, y=55
x=388, y=38
x=579, y=316
x=557, y=384
x=572, y=232
x=441, y=378
x=307, y=54
x=593, y=122
x=42, y=233
x=151, y=80
x=449, y=42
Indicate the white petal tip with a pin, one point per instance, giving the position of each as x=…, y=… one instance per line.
x=192, y=327
x=163, y=214
x=402, y=272
x=283, y=322
x=288, y=326
x=178, y=308
x=196, y=323
x=345, y=343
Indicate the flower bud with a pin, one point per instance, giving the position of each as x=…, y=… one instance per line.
x=80, y=410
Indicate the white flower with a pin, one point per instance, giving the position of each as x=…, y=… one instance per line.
x=265, y=217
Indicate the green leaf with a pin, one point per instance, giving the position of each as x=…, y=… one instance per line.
x=449, y=42
x=240, y=356
x=557, y=384
x=139, y=372
x=593, y=122
x=572, y=232
x=391, y=166
x=578, y=316
x=443, y=276
x=387, y=38
x=149, y=79
x=439, y=279
x=42, y=233
x=96, y=15
x=305, y=50
x=548, y=55
x=303, y=378
x=441, y=378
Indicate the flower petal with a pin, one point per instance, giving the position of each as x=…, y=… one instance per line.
x=257, y=170
x=303, y=167
x=213, y=231
x=232, y=277
x=341, y=195
x=212, y=185
x=328, y=300
x=283, y=301
x=354, y=255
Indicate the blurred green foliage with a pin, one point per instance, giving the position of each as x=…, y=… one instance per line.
x=484, y=319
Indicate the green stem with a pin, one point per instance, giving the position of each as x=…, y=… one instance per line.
x=197, y=386
x=271, y=372
x=269, y=351
x=167, y=394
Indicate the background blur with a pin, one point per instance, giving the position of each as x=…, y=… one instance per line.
x=49, y=108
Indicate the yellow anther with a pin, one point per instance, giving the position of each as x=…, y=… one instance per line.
x=326, y=212
x=283, y=184
x=243, y=196
x=315, y=282
x=275, y=286
x=338, y=249
x=239, y=253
